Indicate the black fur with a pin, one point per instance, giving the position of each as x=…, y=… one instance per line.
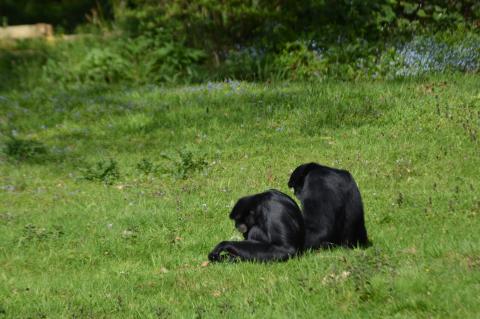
x=332, y=206
x=273, y=227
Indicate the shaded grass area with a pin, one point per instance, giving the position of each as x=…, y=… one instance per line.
x=79, y=238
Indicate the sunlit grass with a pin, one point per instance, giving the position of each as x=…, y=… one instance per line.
x=134, y=243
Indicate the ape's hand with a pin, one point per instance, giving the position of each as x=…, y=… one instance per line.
x=220, y=253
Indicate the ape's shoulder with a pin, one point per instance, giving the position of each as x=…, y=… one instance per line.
x=277, y=194
x=330, y=173
x=315, y=171
x=326, y=170
x=281, y=197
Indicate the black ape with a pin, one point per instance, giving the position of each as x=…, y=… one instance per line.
x=272, y=225
x=332, y=206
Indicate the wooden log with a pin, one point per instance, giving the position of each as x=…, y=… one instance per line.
x=39, y=30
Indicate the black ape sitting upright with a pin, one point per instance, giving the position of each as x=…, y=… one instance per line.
x=332, y=206
x=272, y=225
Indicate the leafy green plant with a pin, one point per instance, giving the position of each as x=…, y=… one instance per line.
x=185, y=163
x=102, y=171
x=146, y=167
x=103, y=65
x=298, y=62
x=172, y=63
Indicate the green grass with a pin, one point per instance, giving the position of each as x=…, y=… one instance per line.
x=111, y=199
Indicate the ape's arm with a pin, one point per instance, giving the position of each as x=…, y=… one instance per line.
x=251, y=250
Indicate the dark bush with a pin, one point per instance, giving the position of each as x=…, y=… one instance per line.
x=179, y=41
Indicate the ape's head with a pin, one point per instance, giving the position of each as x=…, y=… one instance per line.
x=243, y=215
x=297, y=179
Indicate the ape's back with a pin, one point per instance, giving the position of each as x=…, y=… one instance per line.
x=332, y=206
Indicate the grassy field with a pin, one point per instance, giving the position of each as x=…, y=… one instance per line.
x=111, y=199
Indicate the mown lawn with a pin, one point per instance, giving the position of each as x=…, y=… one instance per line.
x=111, y=199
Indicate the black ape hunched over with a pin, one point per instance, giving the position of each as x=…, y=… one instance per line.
x=272, y=225
x=332, y=206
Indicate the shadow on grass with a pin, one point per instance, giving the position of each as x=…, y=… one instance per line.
x=85, y=119
x=18, y=64
x=31, y=151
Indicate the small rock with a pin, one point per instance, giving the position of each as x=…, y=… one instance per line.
x=163, y=270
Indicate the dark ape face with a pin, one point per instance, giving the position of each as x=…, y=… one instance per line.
x=297, y=179
x=244, y=220
x=298, y=191
x=297, y=188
